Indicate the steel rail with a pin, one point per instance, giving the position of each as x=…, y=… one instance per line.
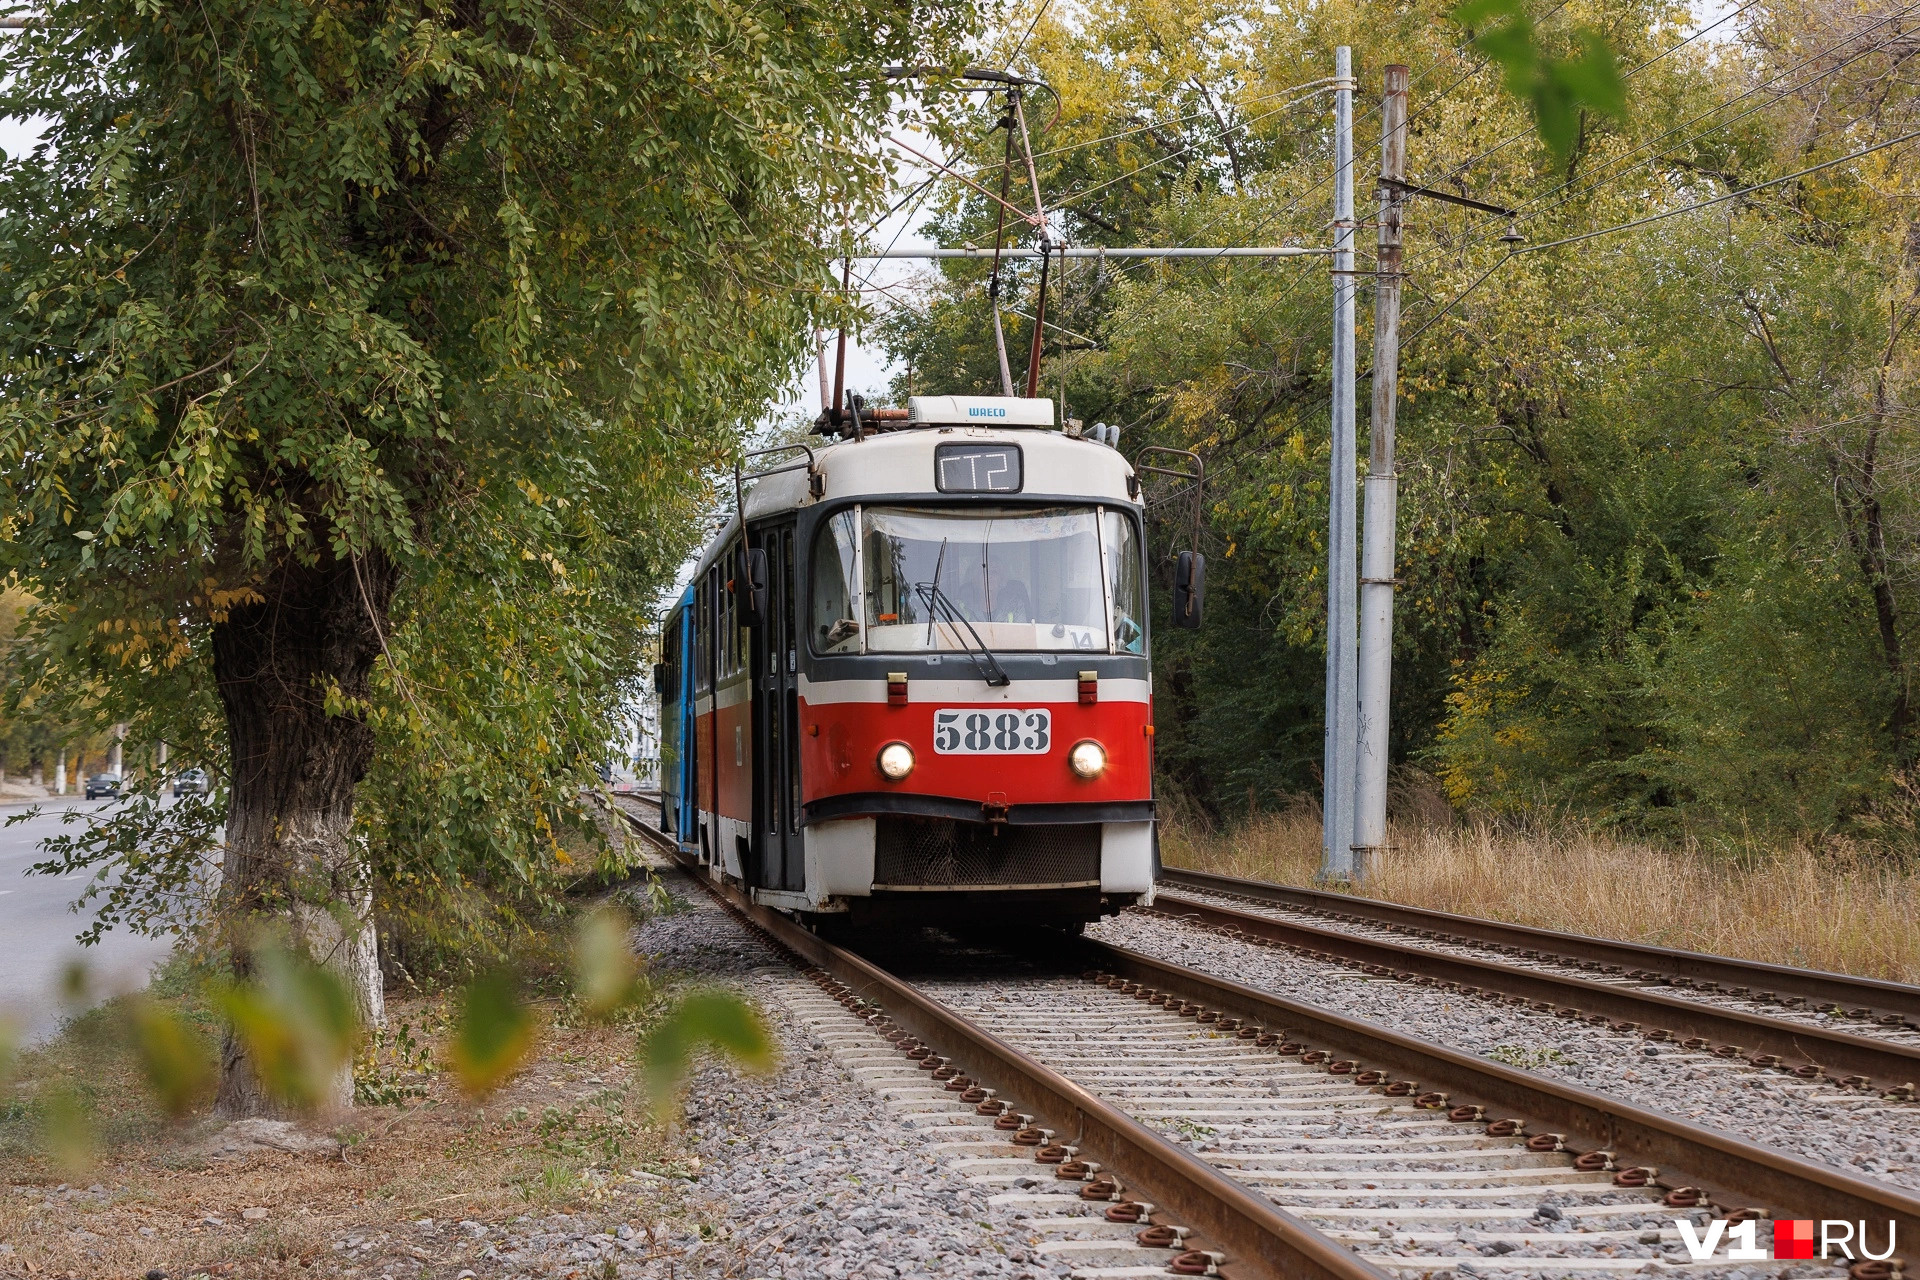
x=1816, y=986
x=1735, y=1173
x=1257, y=1237
x=1735, y=1033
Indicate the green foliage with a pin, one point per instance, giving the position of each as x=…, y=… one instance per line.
x=716, y=1019
x=1557, y=89
x=494, y=1034
x=475, y=292
x=175, y=1058
x=1657, y=538
x=391, y=1066
x=298, y=1022
x=606, y=972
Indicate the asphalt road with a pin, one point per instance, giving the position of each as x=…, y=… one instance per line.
x=37, y=929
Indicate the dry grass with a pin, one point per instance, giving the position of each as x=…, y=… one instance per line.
x=560, y=1137
x=1840, y=910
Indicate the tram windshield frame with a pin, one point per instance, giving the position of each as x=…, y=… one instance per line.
x=910, y=578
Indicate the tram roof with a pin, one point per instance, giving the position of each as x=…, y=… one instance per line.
x=896, y=460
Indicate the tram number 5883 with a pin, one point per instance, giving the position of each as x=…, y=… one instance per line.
x=963, y=731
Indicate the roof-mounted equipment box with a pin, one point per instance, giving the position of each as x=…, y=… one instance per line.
x=979, y=411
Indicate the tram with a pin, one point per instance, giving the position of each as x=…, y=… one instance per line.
x=908, y=680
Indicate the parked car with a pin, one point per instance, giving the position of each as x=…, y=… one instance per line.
x=103, y=784
x=191, y=782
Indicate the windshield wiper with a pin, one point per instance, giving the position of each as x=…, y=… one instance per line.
x=940, y=608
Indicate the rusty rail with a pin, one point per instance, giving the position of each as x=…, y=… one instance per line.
x=1896, y=1001
x=1735, y=1174
x=1734, y=1033
x=1257, y=1237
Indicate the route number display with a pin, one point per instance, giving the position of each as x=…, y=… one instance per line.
x=977, y=468
x=969, y=731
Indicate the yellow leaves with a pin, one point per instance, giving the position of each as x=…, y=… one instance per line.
x=162, y=642
x=494, y=1034
x=298, y=1023
x=68, y=1132
x=606, y=970
x=175, y=1058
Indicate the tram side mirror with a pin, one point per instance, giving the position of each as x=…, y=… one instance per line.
x=659, y=679
x=750, y=586
x=1189, y=586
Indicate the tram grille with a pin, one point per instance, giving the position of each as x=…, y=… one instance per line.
x=914, y=852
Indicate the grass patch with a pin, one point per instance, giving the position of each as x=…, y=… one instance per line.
x=142, y=1192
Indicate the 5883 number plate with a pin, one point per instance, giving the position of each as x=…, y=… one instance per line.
x=969, y=731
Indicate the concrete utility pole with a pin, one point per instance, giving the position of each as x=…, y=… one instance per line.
x=1377, y=580
x=1336, y=863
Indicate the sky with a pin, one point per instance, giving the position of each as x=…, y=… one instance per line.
x=868, y=369
x=18, y=136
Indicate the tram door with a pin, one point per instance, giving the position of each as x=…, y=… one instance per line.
x=778, y=860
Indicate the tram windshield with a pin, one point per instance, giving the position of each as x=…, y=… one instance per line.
x=1007, y=579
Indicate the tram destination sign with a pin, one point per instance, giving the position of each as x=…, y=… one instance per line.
x=977, y=468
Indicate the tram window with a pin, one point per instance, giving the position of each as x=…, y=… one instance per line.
x=700, y=633
x=835, y=626
x=670, y=657
x=726, y=599
x=1124, y=583
x=1025, y=578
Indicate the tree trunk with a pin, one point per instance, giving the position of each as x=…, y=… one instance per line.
x=290, y=861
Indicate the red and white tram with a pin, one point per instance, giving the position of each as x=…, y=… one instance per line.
x=914, y=685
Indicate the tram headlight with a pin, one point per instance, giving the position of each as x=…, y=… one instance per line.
x=1088, y=759
x=896, y=760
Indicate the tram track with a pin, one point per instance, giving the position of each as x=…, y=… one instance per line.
x=1874, y=1006
x=1732, y=1033
x=1288, y=1139
x=1759, y=1014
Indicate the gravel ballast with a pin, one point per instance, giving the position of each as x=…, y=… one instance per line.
x=1857, y=1133
x=802, y=1173
x=1467, y=949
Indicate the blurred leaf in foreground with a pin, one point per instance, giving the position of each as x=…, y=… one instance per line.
x=606, y=972
x=717, y=1019
x=175, y=1058
x=1556, y=88
x=67, y=1131
x=75, y=986
x=494, y=1034
x=297, y=1022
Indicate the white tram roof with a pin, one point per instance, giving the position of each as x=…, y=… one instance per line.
x=901, y=461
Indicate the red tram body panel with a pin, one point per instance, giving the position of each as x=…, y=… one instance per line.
x=945, y=702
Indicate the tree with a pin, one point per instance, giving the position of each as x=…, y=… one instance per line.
x=311, y=307
x=1657, y=539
